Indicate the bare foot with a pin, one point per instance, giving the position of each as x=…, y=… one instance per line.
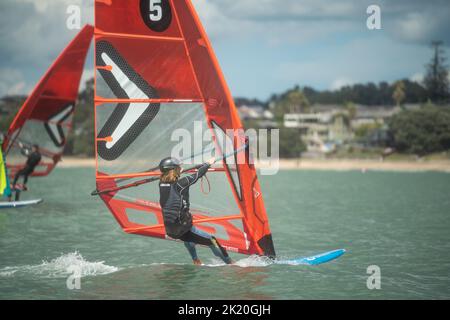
x=197, y=262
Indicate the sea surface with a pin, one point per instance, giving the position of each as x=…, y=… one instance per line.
x=398, y=222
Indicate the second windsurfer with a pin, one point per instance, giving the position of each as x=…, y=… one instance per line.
x=33, y=158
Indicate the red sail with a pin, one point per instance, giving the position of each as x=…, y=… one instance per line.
x=46, y=116
x=156, y=73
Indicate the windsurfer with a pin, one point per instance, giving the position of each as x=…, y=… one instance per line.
x=33, y=158
x=174, y=201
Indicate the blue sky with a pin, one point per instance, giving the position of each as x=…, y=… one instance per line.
x=263, y=46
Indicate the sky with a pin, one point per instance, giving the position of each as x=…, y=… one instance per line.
x=263, y=46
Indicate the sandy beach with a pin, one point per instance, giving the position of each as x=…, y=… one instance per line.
x=363, y=164
x=317, y=164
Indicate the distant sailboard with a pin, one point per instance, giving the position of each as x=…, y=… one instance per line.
x=18, y=204
x=46, y=116
x=5, y=189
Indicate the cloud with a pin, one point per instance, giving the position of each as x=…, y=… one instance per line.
x=274, y=10
x=18, y=88
x=422, y=27
x=417, y=77
x=341, y=82
x=310, y=42
x=32, y=35
x=361, y=60
x=274, y=21
x=12, y=82
x=33, y=32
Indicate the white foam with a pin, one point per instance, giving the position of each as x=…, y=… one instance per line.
x=254, y=261
x=7, y=272
x=59, y=267
x=214, y=262
x=251, y=261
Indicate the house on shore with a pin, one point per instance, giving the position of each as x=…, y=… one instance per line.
x=262, y=116
x=328, y=126
x=321, y=130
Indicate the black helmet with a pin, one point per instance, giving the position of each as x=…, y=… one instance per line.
x=169, y=163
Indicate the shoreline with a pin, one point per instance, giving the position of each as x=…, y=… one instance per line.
x=364, y=165
x=316, y=164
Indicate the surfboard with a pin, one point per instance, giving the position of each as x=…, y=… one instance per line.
x=315, y=259
x=19, y=204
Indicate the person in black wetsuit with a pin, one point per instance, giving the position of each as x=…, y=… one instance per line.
x=174, y=201
x=33, y=159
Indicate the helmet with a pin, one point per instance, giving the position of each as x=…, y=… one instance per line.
x=169, y=163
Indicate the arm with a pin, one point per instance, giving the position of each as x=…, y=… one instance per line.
x=193, y=178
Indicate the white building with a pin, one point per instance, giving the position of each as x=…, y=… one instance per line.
x=321, y=131
x=263, y=117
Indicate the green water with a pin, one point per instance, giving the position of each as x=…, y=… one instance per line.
x=397, y=221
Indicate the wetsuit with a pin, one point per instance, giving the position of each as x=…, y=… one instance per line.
x=33, y=160
x=174, y=201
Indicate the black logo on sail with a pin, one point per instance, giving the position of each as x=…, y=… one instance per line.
x=54, y=125
x=157, y=14
x=128, y=120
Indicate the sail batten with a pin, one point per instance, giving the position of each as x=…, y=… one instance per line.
x=134, y=36
x=105, y=100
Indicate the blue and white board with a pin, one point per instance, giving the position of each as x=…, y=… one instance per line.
x=18, y=204
x=316, y=259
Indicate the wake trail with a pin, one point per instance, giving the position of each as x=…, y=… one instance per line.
x=248, y=262
x=61, y=267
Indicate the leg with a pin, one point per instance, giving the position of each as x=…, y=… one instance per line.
x=17, y=192
x=17, y=197
x=25, y=179
x=18, y=174
x=190, y=246
x=220, y=251
x=198, y=236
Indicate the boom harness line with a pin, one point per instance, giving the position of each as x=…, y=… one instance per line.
x=202, y=188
